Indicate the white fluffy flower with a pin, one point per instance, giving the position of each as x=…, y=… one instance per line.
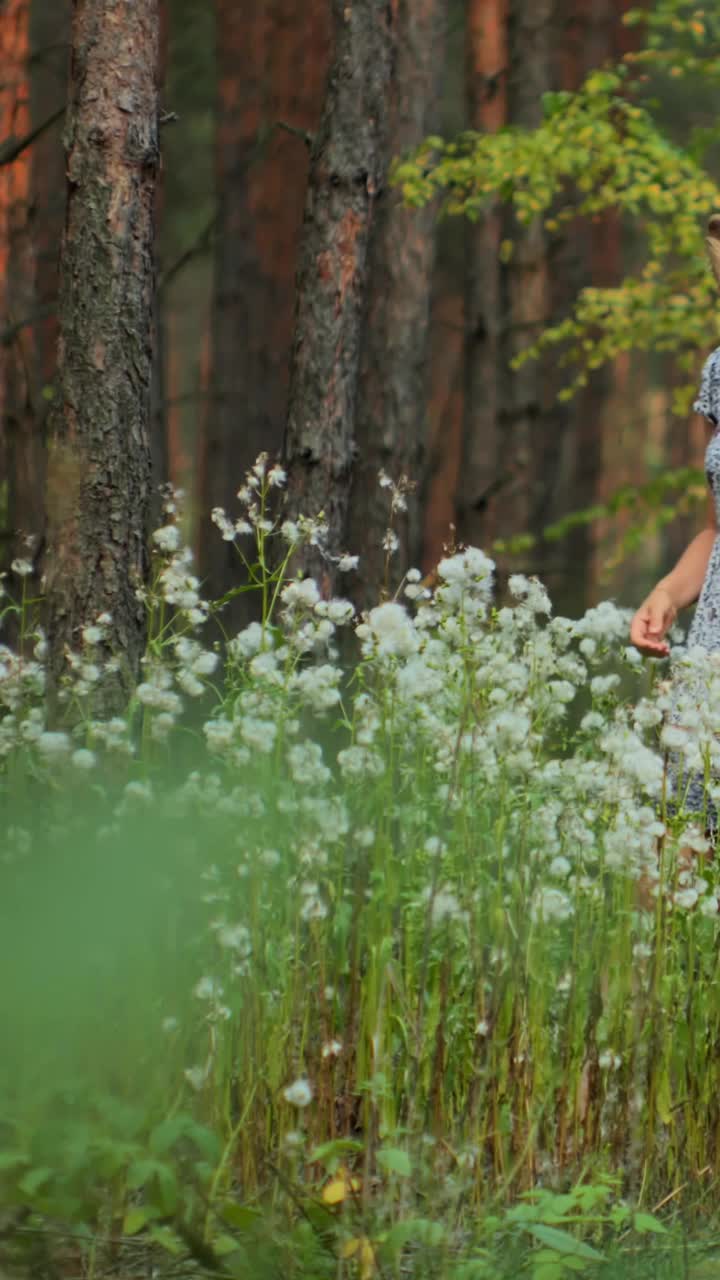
x=302, y=594
x=551, y=904
x=226, y=526
x=207, y=989
x=391, y=629
x=167, y=538
x=84, y=759
x=361, y=762
x=305, y=760
x=248, y=642
x=468, y=569
x=299, y=1093
x=317, y=687
x=53, y=743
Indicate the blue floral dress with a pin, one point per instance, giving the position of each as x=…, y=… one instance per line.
x=704, y=629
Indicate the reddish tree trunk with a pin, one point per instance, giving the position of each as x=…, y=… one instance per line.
x=159, y=441
x=347, y=174
x=273, y=60
x=528, y=417
x=99, y=467
x=24, y=480
x=391, y=417
x=50, y=42
x=592, y=35
x=487, y=57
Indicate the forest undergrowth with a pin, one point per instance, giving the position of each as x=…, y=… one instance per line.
x=350, y=969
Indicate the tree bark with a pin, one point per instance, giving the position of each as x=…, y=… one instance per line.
x=24, y=491
x=347, y=174
x=487, y=55
x=50, y=42
x=99, y=467
x=528, y=415
x=393, y=389
x=527, y=458
x=588, y=254
x=273, y=60
x=514, y=428
x=159, y=441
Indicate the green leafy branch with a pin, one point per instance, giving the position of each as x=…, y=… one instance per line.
x=596, y=150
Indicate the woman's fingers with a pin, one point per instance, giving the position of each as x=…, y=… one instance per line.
x=646, y=632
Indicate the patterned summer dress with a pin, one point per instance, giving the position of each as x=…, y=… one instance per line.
x=705, y=627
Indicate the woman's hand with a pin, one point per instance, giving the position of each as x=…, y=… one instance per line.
x=651, y=622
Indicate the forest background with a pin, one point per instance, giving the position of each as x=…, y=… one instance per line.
x=491, y=450
x=395, y=965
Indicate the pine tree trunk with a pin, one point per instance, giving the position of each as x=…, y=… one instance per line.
x=481, y=466
x=159, y=439
x=348, y=172
x=590, y=254
x=50, y=42
x=528, y=415
x=24, y=479
x=393, y=389
x=273, y=58
x=99, y=467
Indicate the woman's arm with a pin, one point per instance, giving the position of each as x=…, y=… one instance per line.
x=685, y=581
x=681, y=587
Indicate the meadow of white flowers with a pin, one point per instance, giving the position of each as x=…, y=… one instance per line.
x=441, y=903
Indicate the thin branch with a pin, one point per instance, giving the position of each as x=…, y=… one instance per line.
x=12, y=147
x=307, y=138
x=8, y=335
x=40, y=55
x=200, y=245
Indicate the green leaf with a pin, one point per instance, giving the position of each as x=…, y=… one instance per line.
x=416, y=1231
x=563, y=1242
x=34, y=1180
x=643, y=1222
x=167, y=1240
x=167, y=1189
x=223, y=1245
x=549, y=1271
x=141, y=1172
x=553, y=103
x=240, y=1216
x=12, y=1159
x=338, y=1147
x=135, y=1219
x=395, y=1160
x=167, y=1134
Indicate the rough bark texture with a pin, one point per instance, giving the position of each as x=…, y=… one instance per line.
x=159, y=443
x=487, y=75
x=99, y=466
x=393, y=389
x=49, y=39
x=528, y=417
x=528, y=459
x=514, y=427
x=24, y=490
x=589, y=254
x=347, y=174
x=273, y=61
